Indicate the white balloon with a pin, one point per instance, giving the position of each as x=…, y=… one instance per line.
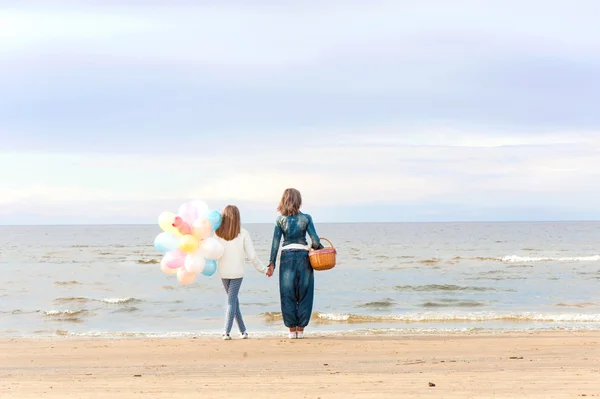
x=195, y=262
x=212, y=248
x=201, y=208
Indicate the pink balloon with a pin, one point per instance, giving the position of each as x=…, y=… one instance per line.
x=185, y=229
x=185, y=277
x=188, y=212
x=174, y=259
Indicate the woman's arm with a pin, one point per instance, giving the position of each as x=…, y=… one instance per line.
x=251, y=254
x=276, y=242
x=312, y=233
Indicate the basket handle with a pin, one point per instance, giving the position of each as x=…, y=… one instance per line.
x=323, y=238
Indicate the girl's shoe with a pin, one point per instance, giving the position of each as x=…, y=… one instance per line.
x=293, y=335
x=300, y=334
x=244, y=335
x=226, y=337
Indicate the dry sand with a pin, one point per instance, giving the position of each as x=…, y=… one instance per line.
x=542, y=365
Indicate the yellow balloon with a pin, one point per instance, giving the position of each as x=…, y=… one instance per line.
x=188, y=243
x=165, y=221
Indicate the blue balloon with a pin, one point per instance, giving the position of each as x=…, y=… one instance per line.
x=215, y=219
x=166, y=242
x=210, y=268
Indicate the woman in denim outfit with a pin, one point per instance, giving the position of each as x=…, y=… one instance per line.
x=296, y=279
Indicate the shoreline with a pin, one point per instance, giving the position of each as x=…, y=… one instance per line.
x=508, y=365
x=282, y=333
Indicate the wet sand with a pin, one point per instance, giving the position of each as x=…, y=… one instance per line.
x=540, y=365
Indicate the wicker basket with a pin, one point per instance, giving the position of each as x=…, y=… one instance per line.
x=322, y=259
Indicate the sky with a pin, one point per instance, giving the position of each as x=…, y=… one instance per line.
x=377, y=111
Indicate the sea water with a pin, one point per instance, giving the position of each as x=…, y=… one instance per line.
x=390, y=279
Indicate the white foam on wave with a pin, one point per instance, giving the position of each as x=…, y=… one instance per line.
x=338, y=333
x=515, y=258
x=65, y=312
x=182, y=334
x=118, y=300
x=459, y=317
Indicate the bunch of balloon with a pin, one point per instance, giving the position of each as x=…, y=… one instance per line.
x=187, y=241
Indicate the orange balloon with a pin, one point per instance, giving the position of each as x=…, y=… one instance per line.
x=202, y=229
x=165, y=269
x=185, y=277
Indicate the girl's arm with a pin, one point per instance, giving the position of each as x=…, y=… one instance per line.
x=251, y=254
x=312, y=233
x=276, y=242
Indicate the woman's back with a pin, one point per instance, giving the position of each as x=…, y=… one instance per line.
x=294, y=228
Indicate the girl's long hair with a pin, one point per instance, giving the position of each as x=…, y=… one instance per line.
x=231, y=224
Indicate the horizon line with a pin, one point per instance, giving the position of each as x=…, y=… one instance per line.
x=269, y=223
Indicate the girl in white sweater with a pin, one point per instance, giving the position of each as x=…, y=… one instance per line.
x=232, y=265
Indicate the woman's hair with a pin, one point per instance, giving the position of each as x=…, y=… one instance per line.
x=230, y=225
x=290, y=203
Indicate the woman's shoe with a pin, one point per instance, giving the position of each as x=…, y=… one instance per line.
x=244, y=335
x=226, y=337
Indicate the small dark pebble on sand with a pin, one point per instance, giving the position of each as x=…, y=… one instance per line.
x=516, y=357
x=137, y=375
x=431, y=384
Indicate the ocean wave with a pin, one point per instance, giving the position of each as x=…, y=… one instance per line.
x=527, y=259
x=72, y=282
x=19, y=311
x=429, y=261
x=148, y=261
x=129, y=309
x=386, y=303
x=443, y=303
x=114, y=301
x=404, y=331
x=496, y=278
x=81, y=300
x=71, y=300
x=515, y=258
x=458, y=317
x=65, y=312
x=442, y=287
x=576, y=305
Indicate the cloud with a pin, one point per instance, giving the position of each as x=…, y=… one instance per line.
x=462, y=108
x=435, y=174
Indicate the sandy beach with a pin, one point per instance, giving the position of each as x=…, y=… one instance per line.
x=540, y=365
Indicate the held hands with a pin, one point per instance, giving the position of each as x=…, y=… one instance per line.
x=270, y=270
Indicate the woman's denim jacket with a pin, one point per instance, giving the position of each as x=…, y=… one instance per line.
x=294, y=230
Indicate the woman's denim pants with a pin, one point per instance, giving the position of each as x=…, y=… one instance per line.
x=296, y=287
